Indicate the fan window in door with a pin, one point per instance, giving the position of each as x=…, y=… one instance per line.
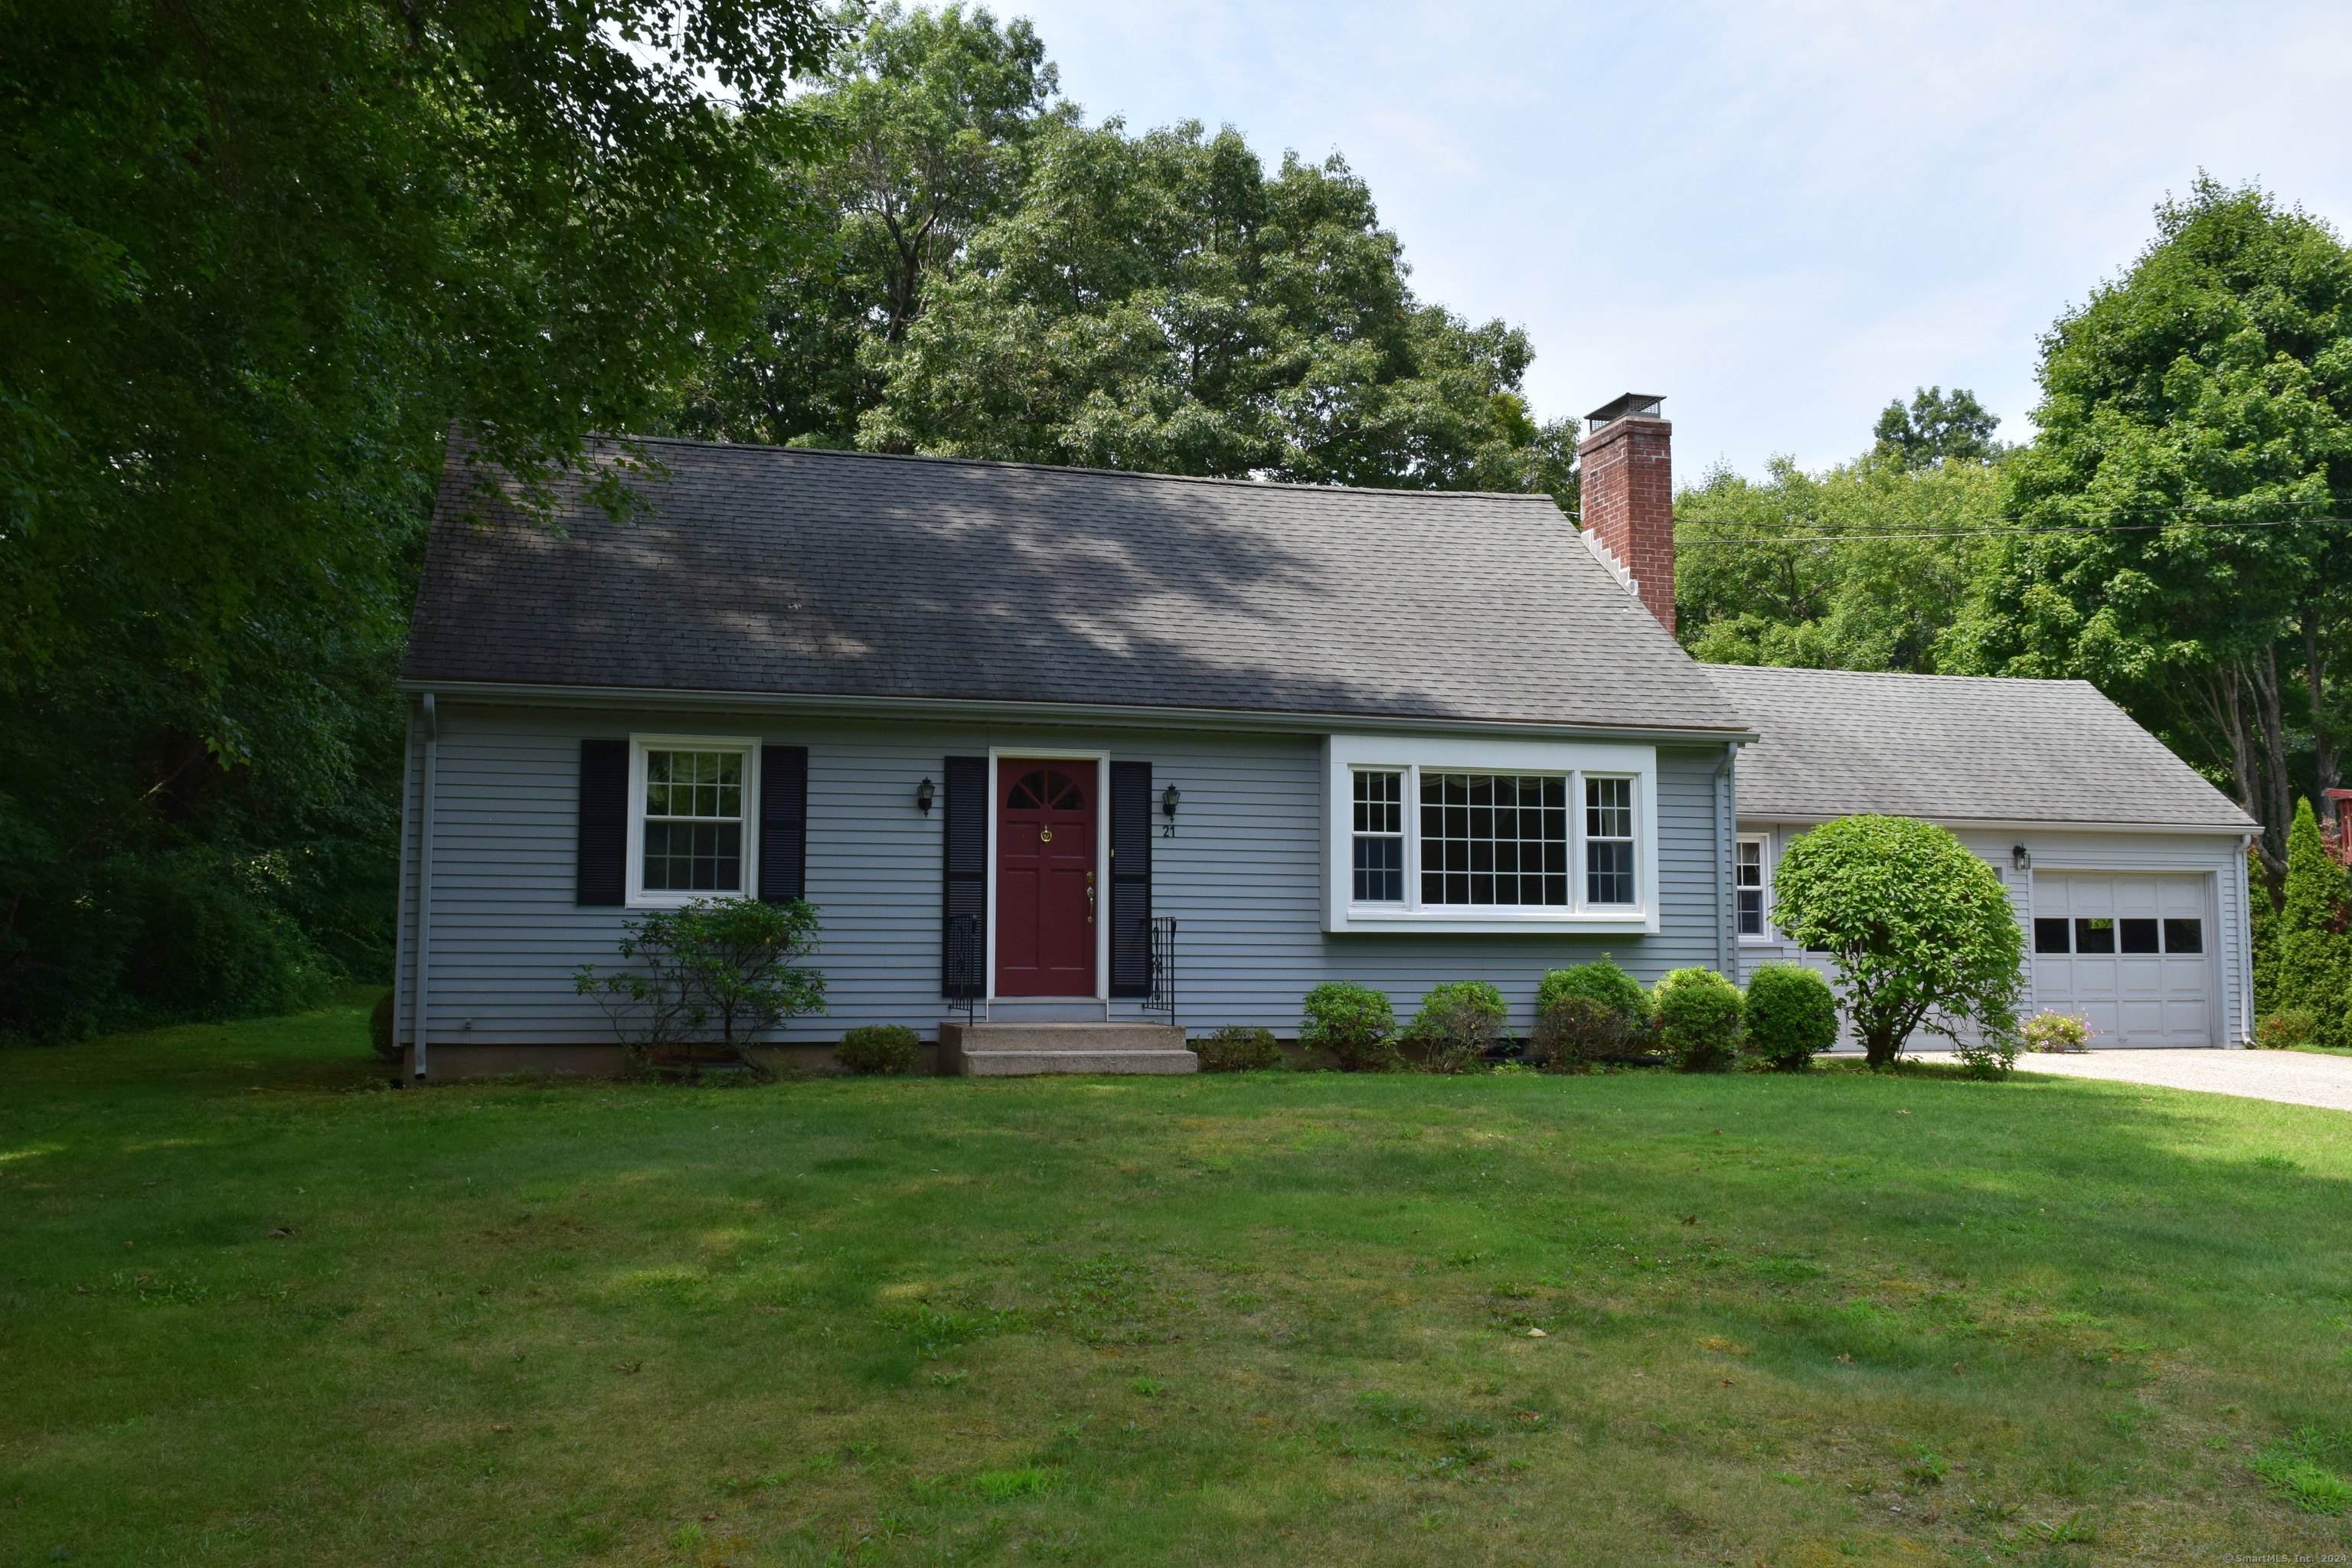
x=1046, y=790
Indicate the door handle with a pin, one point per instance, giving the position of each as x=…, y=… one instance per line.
x=1090, y=897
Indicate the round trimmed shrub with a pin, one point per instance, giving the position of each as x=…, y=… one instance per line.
x=1919, y=931
x=887, y=1050
x=1589, y=1012
x=1699, y=1019
x=1791, y=1017
x=1354, y=1023
x=1235, y=1049
x=1456, y=1025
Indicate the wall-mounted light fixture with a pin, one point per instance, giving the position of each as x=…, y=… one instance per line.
x=924, y=792
x=1167, y=799
x=2020, y=858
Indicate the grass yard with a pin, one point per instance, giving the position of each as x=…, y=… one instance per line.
x=254, y=1312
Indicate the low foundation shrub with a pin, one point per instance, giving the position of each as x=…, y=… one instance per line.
x=1589, y=1012
x=2055, y=1032
x=1791, y=1017
x=2285, y=1029
x=1355, y=1023
x=1456, y=1026
x=886, y=1050
x=1699, y=1016
x=1236, y=1049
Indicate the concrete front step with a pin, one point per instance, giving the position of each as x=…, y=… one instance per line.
x=1028, y=1064
x=1007, y=1050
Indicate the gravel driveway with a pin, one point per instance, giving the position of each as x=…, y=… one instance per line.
x=2294, y=1078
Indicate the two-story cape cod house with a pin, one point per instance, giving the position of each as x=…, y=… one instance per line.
x=1059, y=747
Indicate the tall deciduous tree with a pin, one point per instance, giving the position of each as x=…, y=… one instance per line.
x=258, y=259
x=1936, y=428
x=1000, y=280
x=927, y=118
x=2195, y=428
x=1800, y=569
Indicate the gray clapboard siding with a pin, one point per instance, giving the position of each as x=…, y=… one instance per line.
x=1241, y=876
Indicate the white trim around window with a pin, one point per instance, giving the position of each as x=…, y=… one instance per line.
x=1751, y=889
x=742, y=795
x=1609, y=774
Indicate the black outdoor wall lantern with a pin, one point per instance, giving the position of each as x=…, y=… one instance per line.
x=2020, y=858
x=1167, y=799
x=924, y=792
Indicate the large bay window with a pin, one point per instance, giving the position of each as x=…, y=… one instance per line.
x=690, y=799
x=1490, y=835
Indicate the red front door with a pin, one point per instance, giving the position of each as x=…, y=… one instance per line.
x=1045, y=879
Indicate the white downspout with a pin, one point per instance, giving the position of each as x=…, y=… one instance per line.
x=2245, y=943
x=402, y=1012
x=424, y=885
x=1727, y=897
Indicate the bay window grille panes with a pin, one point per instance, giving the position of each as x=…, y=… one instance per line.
x=1380, y=838
x=1750, y=871
x=694, y=822
x=1609, y=841
x=1494, y=838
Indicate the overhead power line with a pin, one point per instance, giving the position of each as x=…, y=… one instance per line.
x=1681, y=540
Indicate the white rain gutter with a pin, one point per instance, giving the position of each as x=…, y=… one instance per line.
x=1092, y=715
x=424, y=885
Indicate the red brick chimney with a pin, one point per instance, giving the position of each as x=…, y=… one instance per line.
x=1628, y=465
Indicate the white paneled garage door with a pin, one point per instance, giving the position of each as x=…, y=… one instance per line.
x=2132, y=954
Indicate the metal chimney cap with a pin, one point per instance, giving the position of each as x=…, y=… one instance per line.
x=1637, y=405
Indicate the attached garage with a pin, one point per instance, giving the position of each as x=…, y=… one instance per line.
x=2127, y=868
x=2130, y=953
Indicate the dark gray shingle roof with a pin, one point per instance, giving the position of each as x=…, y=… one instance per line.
x=769, y=569
x=1954, y=748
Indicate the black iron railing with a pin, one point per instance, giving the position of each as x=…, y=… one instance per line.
x=967, y=955
x=1163, y=968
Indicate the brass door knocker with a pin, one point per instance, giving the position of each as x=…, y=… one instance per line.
x=1045, y=835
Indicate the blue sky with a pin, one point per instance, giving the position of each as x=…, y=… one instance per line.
x=1780, y=216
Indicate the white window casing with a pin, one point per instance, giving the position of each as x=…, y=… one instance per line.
x=1527, y=767
x=710, y=809
x=1751, y=875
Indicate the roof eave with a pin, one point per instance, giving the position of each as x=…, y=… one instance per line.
x=551, y=694
x=1791, y=818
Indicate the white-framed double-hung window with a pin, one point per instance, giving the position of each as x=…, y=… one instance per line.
x=1470, y=835
x=690, y=817
x=1751, y=873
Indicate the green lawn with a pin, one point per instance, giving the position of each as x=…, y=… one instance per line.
x=255, y=1310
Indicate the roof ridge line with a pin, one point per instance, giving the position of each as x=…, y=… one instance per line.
x=1076, y=468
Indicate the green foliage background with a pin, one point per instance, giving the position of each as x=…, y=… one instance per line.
x=261, y=262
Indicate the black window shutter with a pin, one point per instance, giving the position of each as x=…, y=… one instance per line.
x=784, y=824
x=963, y=947
x=1131, y=879
x=604, y=823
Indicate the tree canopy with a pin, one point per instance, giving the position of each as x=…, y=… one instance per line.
x=2196, y=445
x=260, y=260
x=998, y=280
x=1935, y=429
